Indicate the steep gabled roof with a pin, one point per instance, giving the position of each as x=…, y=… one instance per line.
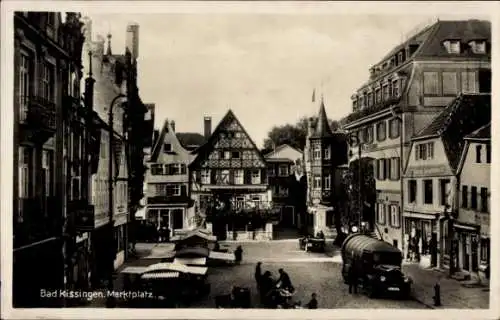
x=483, y=133
x=322, y=129
x=161, y=137
x=279, y=148
x=190, y=140
x=463, y=30
x=202, y=151
x=466, y=113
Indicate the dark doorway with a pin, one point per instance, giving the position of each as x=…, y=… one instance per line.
x=287, y=216
x=485, y=81
x=177, y=219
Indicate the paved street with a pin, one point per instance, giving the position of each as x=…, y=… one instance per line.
x=319, y=273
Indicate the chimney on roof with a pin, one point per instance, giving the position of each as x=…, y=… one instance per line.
x=172, y=125
x=207, y=127
x=132, y=41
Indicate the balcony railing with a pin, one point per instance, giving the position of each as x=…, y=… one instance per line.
x=41, y=113
x=82, y=214
x=38, y=223
x=371, y=110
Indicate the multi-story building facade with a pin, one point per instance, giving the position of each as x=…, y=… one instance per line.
x=323, y=154
x=167, y=179
x=229, y=175
x=405, y=91
x=122, y=132
x=281, y=164
x=474, y=194
x=431, y=178
x=47, y=55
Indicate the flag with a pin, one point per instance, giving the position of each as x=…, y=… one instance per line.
x=314, y=95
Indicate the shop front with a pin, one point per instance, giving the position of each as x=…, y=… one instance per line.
x=421, y=238
x=468, y=248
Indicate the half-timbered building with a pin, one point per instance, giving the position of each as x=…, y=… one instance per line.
x=228, y=180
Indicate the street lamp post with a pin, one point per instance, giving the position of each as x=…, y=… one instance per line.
x=354, y=139
x=110, y=303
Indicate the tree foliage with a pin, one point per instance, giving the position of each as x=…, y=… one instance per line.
x=292, y=134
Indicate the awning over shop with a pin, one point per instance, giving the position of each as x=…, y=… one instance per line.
x=221, y=256
x=466, y=227
x=191, y=261
x=165, y=266
x=160, y=275
x=133, y=270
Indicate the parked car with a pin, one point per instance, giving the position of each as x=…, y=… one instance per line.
x=377, y=266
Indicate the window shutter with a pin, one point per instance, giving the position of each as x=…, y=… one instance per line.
x=263, y=176
x=183, y=169
x=248, y=177
x=213, y=177
x=183, y=190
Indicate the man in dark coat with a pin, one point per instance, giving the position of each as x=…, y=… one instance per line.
x=313, y=304
x=353, y=279
x=238, y=254
x=284, y=281
x=258, y=274
x=266, y=284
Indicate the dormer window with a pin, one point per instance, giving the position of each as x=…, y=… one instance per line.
x=452, y=46
x=355, y=105
x=478, y=46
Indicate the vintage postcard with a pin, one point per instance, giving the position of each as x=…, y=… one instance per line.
x=243, y=160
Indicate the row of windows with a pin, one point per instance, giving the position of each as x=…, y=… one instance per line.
x=387, y=168
x=479, y=153
x=446, y=82
x=385, y=91
x=326, y=182
x=283, y=170
x=428, y=191
x=26, y=172
x=424, y=151
x=391, y=211
x=171, y=169
x=456, y=47
x=239, y=176
x=469, y=198
x=316, y=152
x=168, y=189
x=366, y=134
x=280, y=191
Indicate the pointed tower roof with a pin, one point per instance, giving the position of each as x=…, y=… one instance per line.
x=323, y=129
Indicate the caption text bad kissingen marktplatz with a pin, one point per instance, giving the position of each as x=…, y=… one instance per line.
x=90, y=295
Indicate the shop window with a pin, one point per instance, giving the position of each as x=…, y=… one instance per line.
x=485, y=251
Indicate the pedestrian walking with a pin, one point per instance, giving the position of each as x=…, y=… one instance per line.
x=238, y=254
x=313, y=303
x=353, y=280
x=258, y=274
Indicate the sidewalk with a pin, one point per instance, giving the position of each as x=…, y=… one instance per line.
x=453, y=293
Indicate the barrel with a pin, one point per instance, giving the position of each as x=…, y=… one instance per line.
x=357, y=243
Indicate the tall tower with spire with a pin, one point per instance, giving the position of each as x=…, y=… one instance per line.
x=326, y=151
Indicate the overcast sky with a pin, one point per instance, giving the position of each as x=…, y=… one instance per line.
x=263, y=67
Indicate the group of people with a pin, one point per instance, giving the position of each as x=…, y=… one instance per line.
x=271, y=290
